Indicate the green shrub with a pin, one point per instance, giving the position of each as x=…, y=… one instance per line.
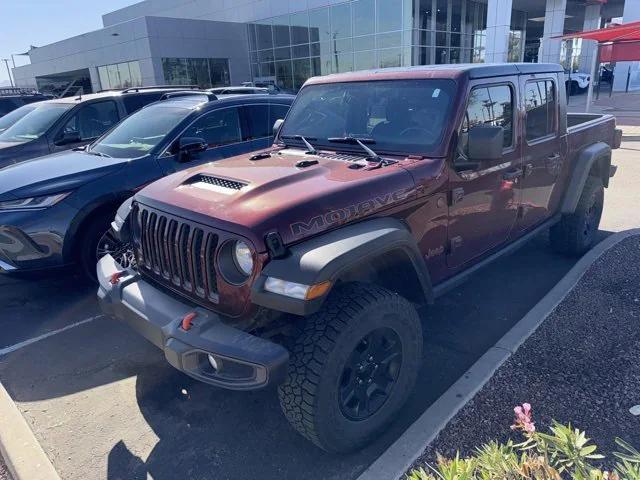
x=564, y=453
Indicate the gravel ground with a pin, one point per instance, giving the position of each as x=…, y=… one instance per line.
x=580, y=366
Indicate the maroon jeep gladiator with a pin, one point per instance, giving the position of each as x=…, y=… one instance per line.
x=302, y=266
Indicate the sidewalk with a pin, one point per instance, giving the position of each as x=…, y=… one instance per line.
x=580, y=366
x=625, y=106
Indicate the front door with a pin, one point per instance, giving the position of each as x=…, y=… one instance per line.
x=542, y=150
x=220, y=129
x=86, y=124
x=483, y=205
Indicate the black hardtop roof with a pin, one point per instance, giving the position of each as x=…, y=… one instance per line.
x=470, y=70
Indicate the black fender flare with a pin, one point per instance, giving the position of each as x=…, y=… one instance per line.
x=328, y=256
x=585, y=161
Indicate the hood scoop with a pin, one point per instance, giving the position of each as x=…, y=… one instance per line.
x=212, y=183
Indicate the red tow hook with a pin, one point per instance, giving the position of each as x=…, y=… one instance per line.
x=187, y=320
x=115, y=277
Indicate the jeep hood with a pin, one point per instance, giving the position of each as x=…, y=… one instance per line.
x=254, y=197
x=55, y=173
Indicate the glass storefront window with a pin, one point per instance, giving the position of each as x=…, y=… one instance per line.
x=299, y=28
x=281, y=36
x=284, y=77
x=361, y=34
x=301, y=71
x=363, y=17
x=300, y=51
x=390, y=57
x=441, y=14
x=344, y=63
x=283, y=53
x=204, y=72
x=367, y=42
x=136, y=74
x=389, y=15
x=387, y=40
x=364, y=60
x=341, y=21
x=264, y=35
x=120, y=75
x=319, y=25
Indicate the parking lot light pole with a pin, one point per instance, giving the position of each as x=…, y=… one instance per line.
x=6, y=63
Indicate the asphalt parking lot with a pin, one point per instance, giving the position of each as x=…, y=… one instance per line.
x=104, y=404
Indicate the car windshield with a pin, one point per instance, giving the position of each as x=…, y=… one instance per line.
x=392, y=116
x=12, y=117
x=139, y=133
x=35, y=123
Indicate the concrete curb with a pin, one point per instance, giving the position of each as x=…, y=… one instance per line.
x=21, y=451
x=395, y=461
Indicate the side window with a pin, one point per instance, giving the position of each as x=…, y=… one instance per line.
x=540, y=105
x=92, y=120
x=220, y=127
x=489, y=106
x=258, y=121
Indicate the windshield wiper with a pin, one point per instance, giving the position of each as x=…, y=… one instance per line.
x=310, y=148
x=359, y=141
x=98, y=154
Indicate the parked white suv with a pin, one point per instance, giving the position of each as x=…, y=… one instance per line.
x=579, y=81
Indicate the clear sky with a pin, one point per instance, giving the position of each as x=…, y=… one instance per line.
x=39, y=22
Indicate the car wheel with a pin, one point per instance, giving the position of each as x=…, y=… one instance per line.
x=98, y=240
x=576, y=233
x=352, y=367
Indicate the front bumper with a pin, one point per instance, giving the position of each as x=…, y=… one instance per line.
x=245, y=361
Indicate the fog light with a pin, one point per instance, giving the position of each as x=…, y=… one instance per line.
x=215, y=363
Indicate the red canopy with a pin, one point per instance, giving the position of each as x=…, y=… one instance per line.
x=617, y=44
x=627, y=32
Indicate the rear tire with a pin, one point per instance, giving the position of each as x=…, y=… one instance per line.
x=352, y=367
x=576, y=232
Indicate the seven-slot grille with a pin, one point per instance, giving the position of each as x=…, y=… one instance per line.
x=177, y=253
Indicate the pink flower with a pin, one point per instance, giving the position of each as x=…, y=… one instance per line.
x=523, y=418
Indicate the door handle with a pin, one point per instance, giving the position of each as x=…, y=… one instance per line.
x=512, y=174
x=555, y=156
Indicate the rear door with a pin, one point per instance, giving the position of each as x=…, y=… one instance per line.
x=542, y=149
x=482, y=200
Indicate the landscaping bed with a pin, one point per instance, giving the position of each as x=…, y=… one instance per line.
x=579, y=367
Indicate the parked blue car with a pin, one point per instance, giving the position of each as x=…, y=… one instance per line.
x=56, y=210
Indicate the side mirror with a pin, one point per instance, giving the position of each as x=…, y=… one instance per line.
x=67, y=138
x=187, y=146
x=485, y=143
x=276, y=126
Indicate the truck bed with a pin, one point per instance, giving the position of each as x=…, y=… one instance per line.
x=584, y=129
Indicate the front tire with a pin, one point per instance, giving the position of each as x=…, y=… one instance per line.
x=576, y=233
x=97, y=241
x=352, y=367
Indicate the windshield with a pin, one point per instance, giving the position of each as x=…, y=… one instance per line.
x=12, y=117
x=139, y=133
x=393, y=116
x=35, y=123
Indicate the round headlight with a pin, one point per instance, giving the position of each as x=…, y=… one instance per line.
x=243, y=257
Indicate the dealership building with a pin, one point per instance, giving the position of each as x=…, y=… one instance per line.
x=227, y=42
